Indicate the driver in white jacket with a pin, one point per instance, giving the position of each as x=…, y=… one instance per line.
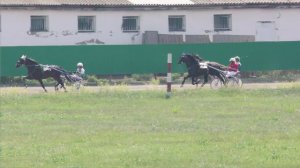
x=80, y=70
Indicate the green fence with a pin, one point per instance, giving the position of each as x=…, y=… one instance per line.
x=128, y=59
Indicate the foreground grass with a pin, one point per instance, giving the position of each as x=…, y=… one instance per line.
x=117, y=129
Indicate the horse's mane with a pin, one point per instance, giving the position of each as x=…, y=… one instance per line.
x=194, y=58
x=197, y=59
x=32, y=60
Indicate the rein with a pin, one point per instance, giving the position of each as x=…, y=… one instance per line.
x=223, y=72
x=36, y=65
x=41, y=65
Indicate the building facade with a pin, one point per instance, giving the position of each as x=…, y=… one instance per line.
x=100, y=22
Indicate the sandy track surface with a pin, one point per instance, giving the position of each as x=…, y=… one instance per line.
x=143, y=87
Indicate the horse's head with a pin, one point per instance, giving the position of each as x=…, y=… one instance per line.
x=24, y=60
x=183, y=58
x=21, y=61
x=187, y=59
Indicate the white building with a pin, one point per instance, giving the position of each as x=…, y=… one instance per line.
x=77, y=22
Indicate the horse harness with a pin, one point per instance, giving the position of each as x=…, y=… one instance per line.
x=203, y=65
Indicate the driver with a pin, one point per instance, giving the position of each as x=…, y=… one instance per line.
x=232, y=68
x=237, y=61
x=80, y=70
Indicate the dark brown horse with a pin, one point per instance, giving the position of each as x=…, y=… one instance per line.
x=36, y=71
x=197, y=67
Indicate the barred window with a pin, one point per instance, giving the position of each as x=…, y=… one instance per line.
x=176, y=23
x=130, y=24
x=222, y=22
x=39, y=23
x=86, y=23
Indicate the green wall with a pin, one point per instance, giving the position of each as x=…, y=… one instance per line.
x=127, y=59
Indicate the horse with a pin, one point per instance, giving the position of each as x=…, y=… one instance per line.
x=36, y=71
x=194, y=69
x=198, y=67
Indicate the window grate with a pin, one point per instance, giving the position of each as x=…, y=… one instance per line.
x=176, y=23
x=86, y=23
x=222, y=22
x=39, y=23
x=130, y=24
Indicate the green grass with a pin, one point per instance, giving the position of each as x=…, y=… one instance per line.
x=119, y=129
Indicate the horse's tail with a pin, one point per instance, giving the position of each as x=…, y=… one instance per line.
x=68, y=77
x=218, y=70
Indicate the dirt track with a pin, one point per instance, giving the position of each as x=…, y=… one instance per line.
x=145, y=87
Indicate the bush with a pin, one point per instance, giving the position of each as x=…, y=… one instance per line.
x=154, y=81
x=176, y=76
x=103, y=82
x=163, y=80
x=142, y=77
x=92, y=80
x=5, y=80
x=273, y=76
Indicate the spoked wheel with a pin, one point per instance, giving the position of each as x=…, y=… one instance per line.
x=240, y=83
x=234, y=82
x=77, y=85
x=216, y=84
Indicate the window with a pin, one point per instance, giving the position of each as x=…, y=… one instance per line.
x=130, y=24
x=176, y=23
x=86, y=23
x=39, y=23
x=222, y=22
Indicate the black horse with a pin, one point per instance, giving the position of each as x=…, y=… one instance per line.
x=194, y=69
x=36, y=71
x=198, y=67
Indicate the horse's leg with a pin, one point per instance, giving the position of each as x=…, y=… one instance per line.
x=196, y=81
x=56, y=86
x=24, y=81
x=205, y=79
x=60, y=81
x=193, y=80
x=42, y=84
x=197, y=84
x=184, y=80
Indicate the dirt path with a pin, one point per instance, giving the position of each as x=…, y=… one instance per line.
x=142, y=87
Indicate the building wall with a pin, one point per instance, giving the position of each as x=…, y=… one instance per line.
x=15, y=25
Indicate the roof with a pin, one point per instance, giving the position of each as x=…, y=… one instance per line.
x=64, y=2
x=120, y=3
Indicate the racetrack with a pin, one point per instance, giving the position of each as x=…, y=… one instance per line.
x=176, y=87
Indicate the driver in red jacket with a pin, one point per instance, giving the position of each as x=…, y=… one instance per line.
x=232, y=68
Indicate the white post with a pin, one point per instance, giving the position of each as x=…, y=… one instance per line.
x=169, y=76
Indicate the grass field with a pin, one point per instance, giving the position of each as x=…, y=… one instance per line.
x=141, y=129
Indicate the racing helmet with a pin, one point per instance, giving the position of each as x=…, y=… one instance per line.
x=237, y=58
x=231, y=59
x=79, y=64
